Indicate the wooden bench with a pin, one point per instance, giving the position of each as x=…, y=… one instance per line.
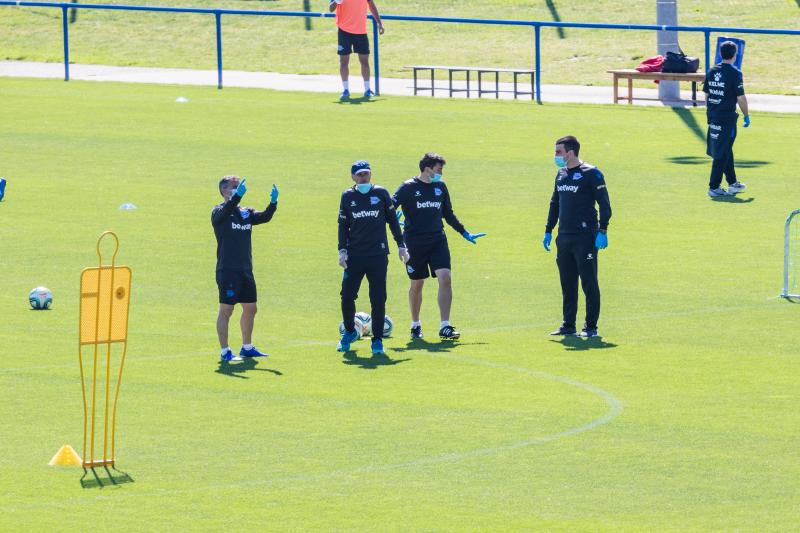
x=517, y=72
x=631, y=74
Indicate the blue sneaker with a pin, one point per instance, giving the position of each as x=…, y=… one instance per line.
x=347, y=338
x=252, y=352
x=2, y=188
x=226, y=356
x=377, y=347
x=368, y=93
x=345, y=96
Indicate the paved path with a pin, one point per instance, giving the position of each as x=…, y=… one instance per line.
x=331, y=84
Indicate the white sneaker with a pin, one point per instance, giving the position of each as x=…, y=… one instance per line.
x=714, y=193
x=736, y=187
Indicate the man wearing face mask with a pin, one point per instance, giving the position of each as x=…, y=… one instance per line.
x=579, y=186
x=425, y=201
x=364, y=211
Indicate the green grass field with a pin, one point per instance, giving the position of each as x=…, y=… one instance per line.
x=682, y=418
x=573, y=56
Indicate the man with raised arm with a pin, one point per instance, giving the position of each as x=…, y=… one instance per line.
x=351, y=20
x=233, y=227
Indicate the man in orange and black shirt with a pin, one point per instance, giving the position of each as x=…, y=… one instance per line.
x=351, y=19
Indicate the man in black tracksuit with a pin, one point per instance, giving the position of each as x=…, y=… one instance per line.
x=579, y=186
x=724, y=88
x=232, y=228
x=425, y=201
x=364, y=211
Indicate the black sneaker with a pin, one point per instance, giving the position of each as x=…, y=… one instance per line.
x=416, y=332
x=564, y=330
x=449, y=333
x=589, y=333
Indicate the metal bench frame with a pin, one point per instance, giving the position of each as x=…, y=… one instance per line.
x=517, y=72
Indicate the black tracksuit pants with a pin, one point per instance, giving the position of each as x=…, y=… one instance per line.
x=374, y=268
x=723, y=164
x=576, y=257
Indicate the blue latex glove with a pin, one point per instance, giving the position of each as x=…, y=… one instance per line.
x=548, y=238
x=601, y=241
x=273, y=196
x=472, y=237
x=241, y=189
x=747, y=121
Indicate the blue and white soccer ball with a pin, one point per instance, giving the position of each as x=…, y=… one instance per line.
x=366, y=320
x=40, y=298
x=388, y=326
x=359, y=328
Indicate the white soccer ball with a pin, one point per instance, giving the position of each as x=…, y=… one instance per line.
x=366, y=320
x=40, y=298
x=359, y=328
x=388, y=326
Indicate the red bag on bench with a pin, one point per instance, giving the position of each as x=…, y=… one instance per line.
x=651, y=64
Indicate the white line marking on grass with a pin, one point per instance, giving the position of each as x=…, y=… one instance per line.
x=510, y=327
x=644, y=316
x=74, y=364
x=615, y=408
x=210, y=352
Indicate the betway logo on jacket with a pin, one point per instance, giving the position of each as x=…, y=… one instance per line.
x=364, y=214
x=243, y=227
x=428, y=204
x=567, y=188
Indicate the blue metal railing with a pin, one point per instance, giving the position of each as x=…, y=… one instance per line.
x=537, y=26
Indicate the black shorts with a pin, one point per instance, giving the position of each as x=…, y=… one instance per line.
x=236, y=287
x=427, y=258
x=353, y=42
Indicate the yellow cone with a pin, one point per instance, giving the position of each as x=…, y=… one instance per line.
x=65, y=456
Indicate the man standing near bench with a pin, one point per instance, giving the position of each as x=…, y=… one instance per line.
x=351, y=19
x=724, y=88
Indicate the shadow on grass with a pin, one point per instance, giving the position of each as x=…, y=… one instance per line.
x=688, y=160
x=357, y=101
x=235, y=370
x=732, y=200
x=700, y=160
x=688, y=118
x=117, y=477
x=441, y=346
x=573, y=343
x=551, y=6
x=750, y=163
x=371, y=363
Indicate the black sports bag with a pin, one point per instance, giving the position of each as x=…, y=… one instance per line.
x=680, y=63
